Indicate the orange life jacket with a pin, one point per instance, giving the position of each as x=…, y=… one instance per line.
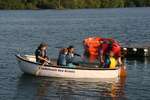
x=92, y=45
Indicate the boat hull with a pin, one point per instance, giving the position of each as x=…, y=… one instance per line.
x=54, y=71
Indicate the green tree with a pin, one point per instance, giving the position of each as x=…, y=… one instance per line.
x=71, y=4
x=118, y=3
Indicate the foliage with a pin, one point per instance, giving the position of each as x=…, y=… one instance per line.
x=71, y=4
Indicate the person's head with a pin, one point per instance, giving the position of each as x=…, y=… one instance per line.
x=101, y=42
x=43, y=46
x=111, y=54
x=71, y=49
x=65, y=50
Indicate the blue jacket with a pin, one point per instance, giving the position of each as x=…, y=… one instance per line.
x=62, y=60
x=70, y=58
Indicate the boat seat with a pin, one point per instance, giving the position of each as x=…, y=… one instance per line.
x=30, y=58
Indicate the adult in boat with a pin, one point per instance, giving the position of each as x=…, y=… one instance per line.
x=70, y=56
x=109, y=54
x=41, y=54
x=62, y=57
x=104, y=51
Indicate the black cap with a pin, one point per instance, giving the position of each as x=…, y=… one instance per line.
x=71, y=46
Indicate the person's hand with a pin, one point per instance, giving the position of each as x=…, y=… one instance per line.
x=119, y=61
x=48, y=61
x=120, y=64
x=102, y=61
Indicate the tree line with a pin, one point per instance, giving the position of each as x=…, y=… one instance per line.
x=71, y=4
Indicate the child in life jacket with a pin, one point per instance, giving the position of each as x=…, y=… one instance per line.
x=113, y=61
x=62, y=57
x=110, y=61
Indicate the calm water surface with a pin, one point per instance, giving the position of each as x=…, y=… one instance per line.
x=24, y=30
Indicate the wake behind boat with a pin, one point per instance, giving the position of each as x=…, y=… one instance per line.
x=28, y=64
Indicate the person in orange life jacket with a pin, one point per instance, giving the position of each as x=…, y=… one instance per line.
x=70, y=56
x=41, y=54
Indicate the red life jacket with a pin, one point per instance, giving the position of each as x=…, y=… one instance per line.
x=115, y=47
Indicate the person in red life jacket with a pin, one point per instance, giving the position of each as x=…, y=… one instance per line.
x=117, y=52
x=104, y=50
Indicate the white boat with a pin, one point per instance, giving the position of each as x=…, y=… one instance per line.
x=27, y=64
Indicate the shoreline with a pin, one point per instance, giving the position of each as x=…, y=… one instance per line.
x=73, y=9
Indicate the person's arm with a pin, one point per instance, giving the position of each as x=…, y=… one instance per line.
x=119, y=61
x=41, y=58
x=101, y=56
x=77, y=54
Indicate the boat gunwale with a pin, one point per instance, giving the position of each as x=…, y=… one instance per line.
x=77, y=68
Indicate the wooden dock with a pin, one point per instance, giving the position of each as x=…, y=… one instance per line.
x=131, y=52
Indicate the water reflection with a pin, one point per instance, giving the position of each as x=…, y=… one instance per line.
x=145, y=61
x=41, y=88
x=117, y=89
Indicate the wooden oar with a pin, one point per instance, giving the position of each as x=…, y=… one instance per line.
x=39, y=69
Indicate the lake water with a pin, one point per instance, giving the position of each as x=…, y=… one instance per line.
x=23, y=30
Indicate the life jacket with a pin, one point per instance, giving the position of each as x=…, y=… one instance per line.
x=113, y=63
x=93, y=45
x=40, y=53
x=115, y=47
